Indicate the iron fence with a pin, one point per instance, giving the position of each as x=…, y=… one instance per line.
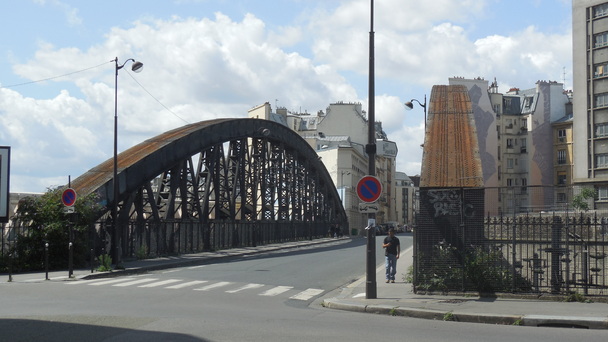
x=150, y=239
x=534, y=248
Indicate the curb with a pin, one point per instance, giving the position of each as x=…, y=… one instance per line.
x=502, y=319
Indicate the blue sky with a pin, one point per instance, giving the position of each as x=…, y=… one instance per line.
x=218, y=58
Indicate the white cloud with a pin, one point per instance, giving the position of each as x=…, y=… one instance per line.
x=204, y=68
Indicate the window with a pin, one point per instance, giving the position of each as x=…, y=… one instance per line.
x=523, y=145
x=524, y=184
x=602, y=193
x=561, y=157
x=601, y=70
x=600, y=100
x=524, y=124
x=509, y=163
x=509, y=182
x=601, y=160
x=561, y=135
x=528, y=102
x=601, y=130
x=561, y=197
x=561, y=178
x=509, y=143
x=600, y=39
x=496, y=109
x=600, y=10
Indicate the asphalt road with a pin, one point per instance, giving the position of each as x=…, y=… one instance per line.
x=272, y=297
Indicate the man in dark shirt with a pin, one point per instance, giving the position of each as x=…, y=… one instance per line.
x=392, y=249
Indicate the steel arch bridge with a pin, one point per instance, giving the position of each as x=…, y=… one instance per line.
x=214, y=184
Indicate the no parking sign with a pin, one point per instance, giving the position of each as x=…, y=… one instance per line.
x=369, y=189
x=68, y=197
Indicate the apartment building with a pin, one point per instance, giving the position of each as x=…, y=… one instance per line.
x=563, y=162
x=590, y=76
x=339, y=135
x=514, y=131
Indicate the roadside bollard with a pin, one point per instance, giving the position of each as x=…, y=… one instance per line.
x=70, y=264
x=10, y=267
x=46, y=259
x=92, y=260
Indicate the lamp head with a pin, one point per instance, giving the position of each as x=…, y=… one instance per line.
x=137, y=66
x=409, y=105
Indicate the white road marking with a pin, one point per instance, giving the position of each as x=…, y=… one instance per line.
x=135, y=282
x=111, y=281
x=213, y=286
x=195, y=267
x=161, y=283
x=88, y=281
x=246, y=287
x=276, y=291
x=307, y=294
x=190, y=283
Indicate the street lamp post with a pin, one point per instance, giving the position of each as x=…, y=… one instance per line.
x=370, y=148
x=410, y=105
x=116, y=252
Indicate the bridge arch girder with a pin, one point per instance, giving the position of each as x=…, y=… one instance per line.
x=224, y=169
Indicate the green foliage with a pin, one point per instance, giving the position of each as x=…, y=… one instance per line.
x=41, y=219
x=518, y=322
x=105, y=263
x=580, y=201
x=478, y=268
x=449, y=316
x=141, y=252
x=409, y=276
x=577, y=297
x=482, y=268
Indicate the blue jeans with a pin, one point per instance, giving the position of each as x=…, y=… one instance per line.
x=390, y=263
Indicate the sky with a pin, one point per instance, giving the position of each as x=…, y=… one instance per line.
x=206, y=59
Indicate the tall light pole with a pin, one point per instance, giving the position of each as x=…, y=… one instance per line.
x=370, y=148
x=116, y=233
x=409, y=105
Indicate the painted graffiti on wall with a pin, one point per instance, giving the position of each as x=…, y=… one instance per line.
x=449, y=203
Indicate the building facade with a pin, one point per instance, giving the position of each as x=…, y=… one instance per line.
x=563, y=161
x=514, y=131
x=339, y=136
x=590, y=76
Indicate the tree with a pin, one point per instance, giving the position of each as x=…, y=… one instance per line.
x=580, y=201
x=42, y=219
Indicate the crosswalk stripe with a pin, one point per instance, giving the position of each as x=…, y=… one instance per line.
x=161, y=283
x=245, y=287
x=276, y=291
x=195, y=267
x=190, y=283
x=153, y=282
x=307, y=294
x=111, y=281
x=87, y=281
x=213, y=286
x=135, y=282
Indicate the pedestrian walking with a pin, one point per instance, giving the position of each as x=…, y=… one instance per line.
x=392, y=249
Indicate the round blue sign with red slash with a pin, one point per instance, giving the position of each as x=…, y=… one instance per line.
x=68, y=197
x=369, y=189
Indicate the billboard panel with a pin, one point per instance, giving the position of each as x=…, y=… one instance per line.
x=5, y=158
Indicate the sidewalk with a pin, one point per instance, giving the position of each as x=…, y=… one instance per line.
x=392, y=299
x=398, y=300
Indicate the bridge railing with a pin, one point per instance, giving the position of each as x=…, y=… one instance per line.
x=174, y=237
